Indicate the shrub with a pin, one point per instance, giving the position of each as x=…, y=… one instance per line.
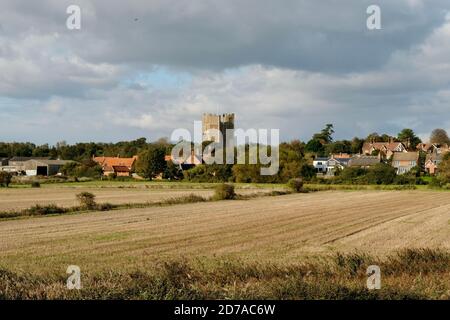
x=5, y=178
x=191, y=198
x=35, y=184
x=381, y=174
x=38, y=210
x=296, y=184
x=224, y=191
x=87, y=200
x=105, y=206
x=405, y=179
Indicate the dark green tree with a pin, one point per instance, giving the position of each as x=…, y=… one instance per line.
x=409, y=138
x=151, y=162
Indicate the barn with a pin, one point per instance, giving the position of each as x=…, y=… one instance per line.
x=36, y=167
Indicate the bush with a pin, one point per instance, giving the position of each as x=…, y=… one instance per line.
x=224, y=191
x=106, y=206
x=5, y=178
x=38, y=210
x=35, y=184
x=405, y=179
x=191, y=198
x=296, y=184
x=381, y=174
x=87, y=200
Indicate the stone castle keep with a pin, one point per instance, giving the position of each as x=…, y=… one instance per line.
x=216, y=124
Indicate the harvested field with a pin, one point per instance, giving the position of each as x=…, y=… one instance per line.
x=279, y=229
x=16, y=199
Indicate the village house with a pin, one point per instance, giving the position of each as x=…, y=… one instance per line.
x=329, y=165
x=433, y=148
x=336, y=163
x=426, y=147
x=432, y=163
x=385, y=149
x=403, y=162
x=442, y=149
x=320, y=164
x=363, y=161
x=122, y=167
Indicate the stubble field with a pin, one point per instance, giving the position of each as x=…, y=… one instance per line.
x=282, y=228
x=298, y=246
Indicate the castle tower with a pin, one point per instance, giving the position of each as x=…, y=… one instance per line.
x=217, y=122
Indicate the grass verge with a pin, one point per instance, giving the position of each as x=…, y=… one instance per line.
x=407, y=274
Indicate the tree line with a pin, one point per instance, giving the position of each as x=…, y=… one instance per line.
x=295, y=159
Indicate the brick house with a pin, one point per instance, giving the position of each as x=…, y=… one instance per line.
x=385, y=149
x=122, y=167
x=432, y=163
x=403, y=162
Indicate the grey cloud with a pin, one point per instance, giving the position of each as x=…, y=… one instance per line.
x=293, y=65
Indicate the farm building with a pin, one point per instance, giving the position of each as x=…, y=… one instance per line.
x=114, y=165
x=16, y=165
x=44, y=167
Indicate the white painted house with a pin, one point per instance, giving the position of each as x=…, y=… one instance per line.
x=320, y=164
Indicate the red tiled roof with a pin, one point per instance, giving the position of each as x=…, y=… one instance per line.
x=108, y=163
x=392, y=146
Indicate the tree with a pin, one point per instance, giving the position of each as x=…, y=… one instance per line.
x=439, y=136
x=325, y=136
x=172, y=172
x=151, y=162
x=375, y=137
x=444, y=170
x=343, y=146
x=315, y=146
x=356, y=145
x=409, y=137
x=307, y=171
x=87, y=200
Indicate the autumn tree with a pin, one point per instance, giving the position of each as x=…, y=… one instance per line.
x=439, y=136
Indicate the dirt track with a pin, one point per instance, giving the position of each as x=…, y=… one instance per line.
x=281, y=228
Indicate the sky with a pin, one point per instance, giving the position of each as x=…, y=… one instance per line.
x=144, y=68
